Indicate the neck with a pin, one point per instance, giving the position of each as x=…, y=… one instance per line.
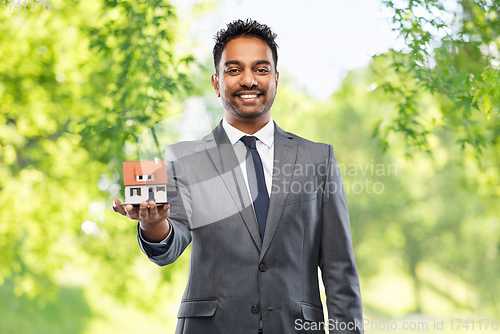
x=248, y=125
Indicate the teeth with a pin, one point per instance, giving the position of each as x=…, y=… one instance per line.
x=248, y=96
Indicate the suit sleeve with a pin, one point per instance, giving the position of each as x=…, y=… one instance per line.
x=180, y=212
x=155, y=248
x=338, y=268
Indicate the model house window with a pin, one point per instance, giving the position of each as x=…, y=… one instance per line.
x=160, y=189
x=145, y=177
x=135, y=191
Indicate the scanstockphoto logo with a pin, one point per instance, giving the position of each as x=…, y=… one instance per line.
x=213, y=171
x=331, y=325
x=369, y=177
x=419, y=325
x=325, y=177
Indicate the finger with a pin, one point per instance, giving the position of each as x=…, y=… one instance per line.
x=143, y=211
x=166, y=210
x=117, y=207
x=153, y=210
x=131, y=212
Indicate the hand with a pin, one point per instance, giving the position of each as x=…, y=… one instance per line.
x=152, y=219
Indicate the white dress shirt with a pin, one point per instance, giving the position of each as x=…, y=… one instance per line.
x=265, y=147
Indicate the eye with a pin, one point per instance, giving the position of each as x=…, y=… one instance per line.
x=262, y=70
x=232, y=70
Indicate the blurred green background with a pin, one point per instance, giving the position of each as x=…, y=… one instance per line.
x=416, y=132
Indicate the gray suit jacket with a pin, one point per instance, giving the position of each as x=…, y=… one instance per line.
x=238, y=282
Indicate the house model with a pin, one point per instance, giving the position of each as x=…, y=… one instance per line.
x=145, y=181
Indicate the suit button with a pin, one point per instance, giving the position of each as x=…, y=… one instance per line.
x=262, y=267
x=255, y=309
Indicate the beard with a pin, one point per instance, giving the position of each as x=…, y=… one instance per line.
x=232, y=107
x=240, y=114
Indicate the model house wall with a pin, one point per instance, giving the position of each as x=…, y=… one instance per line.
x=145, y=181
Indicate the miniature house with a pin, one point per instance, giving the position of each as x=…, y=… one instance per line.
x=145, y=181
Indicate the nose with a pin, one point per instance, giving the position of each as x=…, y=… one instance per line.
x=248, y=79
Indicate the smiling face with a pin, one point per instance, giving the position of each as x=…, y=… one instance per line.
x=247, y=80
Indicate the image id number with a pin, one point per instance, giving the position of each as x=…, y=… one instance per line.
x=18, y=4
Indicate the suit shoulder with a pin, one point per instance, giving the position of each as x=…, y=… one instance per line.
x=182, y=149
x=309, y=144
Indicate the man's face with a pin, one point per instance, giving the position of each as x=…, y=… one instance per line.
x=247, y=78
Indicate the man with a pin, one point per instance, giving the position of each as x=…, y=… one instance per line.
x=262, y=209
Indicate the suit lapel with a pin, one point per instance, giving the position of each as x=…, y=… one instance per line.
x=221, y=152
x=285, y=154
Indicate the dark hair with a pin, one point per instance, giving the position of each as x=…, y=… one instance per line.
x=238, y=28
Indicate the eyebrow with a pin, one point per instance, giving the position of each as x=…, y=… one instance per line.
x=262, y=62
x=236, y=62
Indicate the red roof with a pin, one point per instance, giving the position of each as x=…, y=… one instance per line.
x=133, y=168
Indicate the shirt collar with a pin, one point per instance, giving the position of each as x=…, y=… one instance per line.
x=265, y=135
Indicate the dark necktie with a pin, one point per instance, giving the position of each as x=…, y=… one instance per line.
x=261, y=202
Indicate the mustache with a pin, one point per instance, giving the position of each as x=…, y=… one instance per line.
x=249, y=89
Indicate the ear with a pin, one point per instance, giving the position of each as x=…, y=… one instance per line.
x=277, y=78
x=215, y=84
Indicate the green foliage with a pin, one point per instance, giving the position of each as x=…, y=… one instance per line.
x=431, y=211
x=458, y=64
x=139, y=69
x=75, y=89
x=456, y=59
x=21, y=315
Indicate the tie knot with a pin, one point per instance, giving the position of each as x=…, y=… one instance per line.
x=249, y=141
